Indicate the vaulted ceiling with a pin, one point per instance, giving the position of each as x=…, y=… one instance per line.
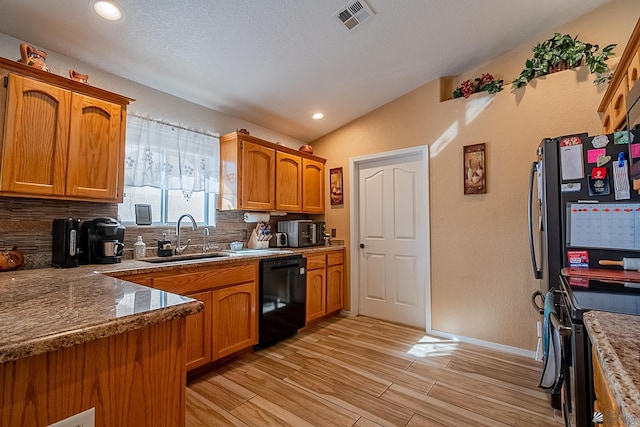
x=276, y=62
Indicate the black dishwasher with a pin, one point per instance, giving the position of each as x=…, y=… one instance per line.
x=283, y=298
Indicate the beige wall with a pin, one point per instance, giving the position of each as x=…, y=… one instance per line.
x=481, y=277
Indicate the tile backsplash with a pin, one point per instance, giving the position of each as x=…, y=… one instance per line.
x=27, y=224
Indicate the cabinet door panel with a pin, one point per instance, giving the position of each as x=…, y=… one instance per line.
x=258, y=179
x=335, y=288
x=235, y=321
x=316, y=291
x=313, y=186
x=199, y=333
x=288, y=182
x=95, y=155
x=34, y=154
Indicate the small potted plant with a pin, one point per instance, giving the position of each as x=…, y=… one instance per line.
x=485, y=83
x=563, y=52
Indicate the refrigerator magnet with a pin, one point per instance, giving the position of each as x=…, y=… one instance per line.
x=599, y=173
x=622, y=137
x=592, y=155
x=603, y=160
x=600, y=141
x=570, y=187
x=578, y=259
x=571, y=162
x=599, y=184
x=622, y=190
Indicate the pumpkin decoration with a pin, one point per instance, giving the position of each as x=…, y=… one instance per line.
x=11, y=259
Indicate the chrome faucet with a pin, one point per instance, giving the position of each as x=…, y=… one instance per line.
x=194, y=226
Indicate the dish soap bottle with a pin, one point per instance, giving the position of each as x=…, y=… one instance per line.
x=139, y=249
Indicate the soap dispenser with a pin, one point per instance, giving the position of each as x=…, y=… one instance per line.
x=139, y=249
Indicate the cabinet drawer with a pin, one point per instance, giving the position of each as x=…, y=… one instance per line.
x=335, y=258
x=206, y=279
x=316, y=261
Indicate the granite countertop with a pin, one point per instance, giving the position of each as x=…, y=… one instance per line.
x=616, y=341
x=47, y=309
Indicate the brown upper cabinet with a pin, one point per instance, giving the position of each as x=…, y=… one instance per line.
x=289, y=179
x=614, y=102
x=262, y=176
x=312, y=186
x=60, y=139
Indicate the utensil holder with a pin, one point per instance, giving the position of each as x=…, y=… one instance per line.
x=254, y=243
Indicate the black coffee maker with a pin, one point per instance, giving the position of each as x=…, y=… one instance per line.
x=101, y=241
x=66, y=242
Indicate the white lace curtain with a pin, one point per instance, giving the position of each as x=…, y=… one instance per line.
x=170, y=157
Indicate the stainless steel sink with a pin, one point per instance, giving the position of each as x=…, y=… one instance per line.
x=187, y=257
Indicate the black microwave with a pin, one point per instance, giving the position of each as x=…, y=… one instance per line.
x=303, y=233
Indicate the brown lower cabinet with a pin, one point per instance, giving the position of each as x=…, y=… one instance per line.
x=136, y=378
x=325, y=284
x=199, y=333
x=229, y=321
x=235, y=321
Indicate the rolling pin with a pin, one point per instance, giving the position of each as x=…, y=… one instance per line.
x=626, y=263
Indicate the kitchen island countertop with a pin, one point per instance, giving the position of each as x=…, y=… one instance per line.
x=616, y=341
x=47, y=309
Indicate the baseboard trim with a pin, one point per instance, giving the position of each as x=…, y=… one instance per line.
x=482, y=343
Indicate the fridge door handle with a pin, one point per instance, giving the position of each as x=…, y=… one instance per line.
x=536, y=271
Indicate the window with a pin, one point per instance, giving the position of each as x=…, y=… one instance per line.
x=172, y=168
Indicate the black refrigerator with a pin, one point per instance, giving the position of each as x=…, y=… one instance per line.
x=582, y=174
x=583, y=213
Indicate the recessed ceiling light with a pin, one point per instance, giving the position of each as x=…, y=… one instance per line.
x=317, y=116
x=108, y=10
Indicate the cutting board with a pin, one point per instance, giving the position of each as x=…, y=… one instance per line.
x=602, y=273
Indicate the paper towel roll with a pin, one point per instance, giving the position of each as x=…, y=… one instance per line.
x=256, y=217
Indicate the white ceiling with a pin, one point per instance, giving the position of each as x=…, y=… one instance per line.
x=275, y=62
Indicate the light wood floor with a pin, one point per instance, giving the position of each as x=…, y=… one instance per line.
x=364, y=372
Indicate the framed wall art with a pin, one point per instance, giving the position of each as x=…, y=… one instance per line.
x=335, y=182
x=475, y=169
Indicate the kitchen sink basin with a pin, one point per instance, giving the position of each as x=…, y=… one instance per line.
x=187, y=257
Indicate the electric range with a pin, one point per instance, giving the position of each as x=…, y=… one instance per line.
x=577, y=296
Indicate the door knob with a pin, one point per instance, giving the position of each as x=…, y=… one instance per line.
x=362, y=245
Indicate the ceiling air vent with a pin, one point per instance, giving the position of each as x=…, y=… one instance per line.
x=354, y=13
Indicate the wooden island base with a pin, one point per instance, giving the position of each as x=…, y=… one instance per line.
x=136, y=378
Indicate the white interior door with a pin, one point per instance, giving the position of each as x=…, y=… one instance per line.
x=393, y=238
